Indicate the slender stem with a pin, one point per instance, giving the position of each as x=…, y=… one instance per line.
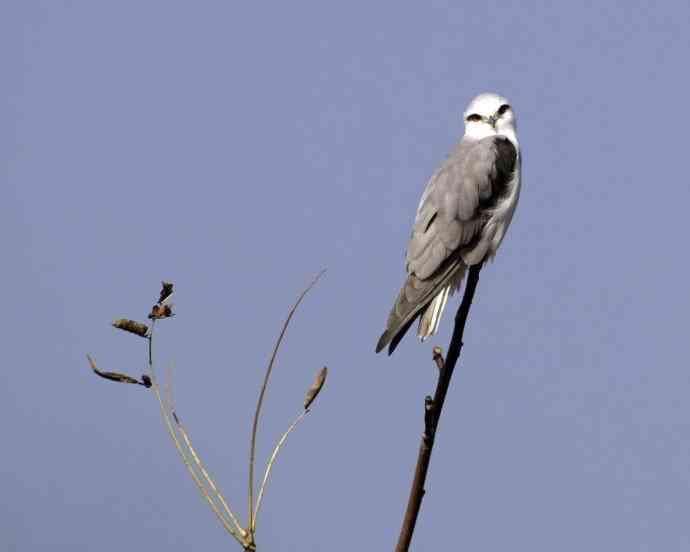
x=433, y=408
x=271, y=461
x=150, y=339
x=170, y=408
x=178, y=446
x=264, y=385
x=207, y=477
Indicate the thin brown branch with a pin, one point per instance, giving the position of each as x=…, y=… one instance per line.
x=432, y=411
x=264, y=385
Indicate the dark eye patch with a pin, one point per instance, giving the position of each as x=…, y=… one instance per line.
x=503, y=109
x=474, y=117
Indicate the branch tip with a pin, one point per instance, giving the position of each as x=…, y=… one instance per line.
x=438, y=357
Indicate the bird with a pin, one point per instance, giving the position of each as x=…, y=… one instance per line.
x=462, y=217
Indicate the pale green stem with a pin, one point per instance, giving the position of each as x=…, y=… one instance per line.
x=269, y=466
x=178, y=446
x=188, y=442
x=208, y=478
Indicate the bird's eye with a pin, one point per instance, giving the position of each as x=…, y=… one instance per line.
x=503, y=109
x=474, y=118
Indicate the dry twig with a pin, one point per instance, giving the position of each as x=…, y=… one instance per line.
x=432, y=411
x=264, y=385
x=179, y=434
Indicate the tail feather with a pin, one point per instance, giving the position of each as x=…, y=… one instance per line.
x=429, y=321
x=426, y=298
x=431, y=318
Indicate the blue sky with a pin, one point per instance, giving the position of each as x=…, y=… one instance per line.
x=237, y=150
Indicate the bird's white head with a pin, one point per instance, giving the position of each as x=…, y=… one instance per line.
x=488, y=115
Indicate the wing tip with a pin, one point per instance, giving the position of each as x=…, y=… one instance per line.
x=383, y=341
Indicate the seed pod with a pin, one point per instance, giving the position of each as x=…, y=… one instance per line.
x=132, y=326
x=315, y=388
x=112, y=376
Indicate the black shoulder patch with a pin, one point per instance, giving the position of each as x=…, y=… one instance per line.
x=504, y=165
x=506, y=155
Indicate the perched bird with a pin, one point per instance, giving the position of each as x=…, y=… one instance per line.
x=462, y=217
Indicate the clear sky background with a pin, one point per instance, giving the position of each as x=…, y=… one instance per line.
x=237, y=149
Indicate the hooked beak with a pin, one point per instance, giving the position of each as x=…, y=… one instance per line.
x=492, y=120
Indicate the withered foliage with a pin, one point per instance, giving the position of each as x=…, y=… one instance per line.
x=166, y=291
x=163, y=309
x=132, y=326
x=160, y=311
x=243, y=534
x=117, y=376
x=315, y=388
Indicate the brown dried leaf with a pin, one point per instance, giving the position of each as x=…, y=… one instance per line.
x=161, y=311
x=315, y=388
x=132, y=326
x=113, y=376
x=166, y=291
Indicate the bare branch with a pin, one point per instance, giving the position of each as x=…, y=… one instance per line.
x=433, y=408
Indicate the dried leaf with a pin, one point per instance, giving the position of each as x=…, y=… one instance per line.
x=166, y=291
x=315, y=388
x=161, y=311
x=132, y=326
x=113, y=376
x=120, y=378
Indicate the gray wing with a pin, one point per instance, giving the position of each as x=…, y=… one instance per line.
x=452, y=212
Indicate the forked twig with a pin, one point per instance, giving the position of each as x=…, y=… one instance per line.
x=264, y=385
x=178, y=433
x=238, y=533
x=197, y=460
